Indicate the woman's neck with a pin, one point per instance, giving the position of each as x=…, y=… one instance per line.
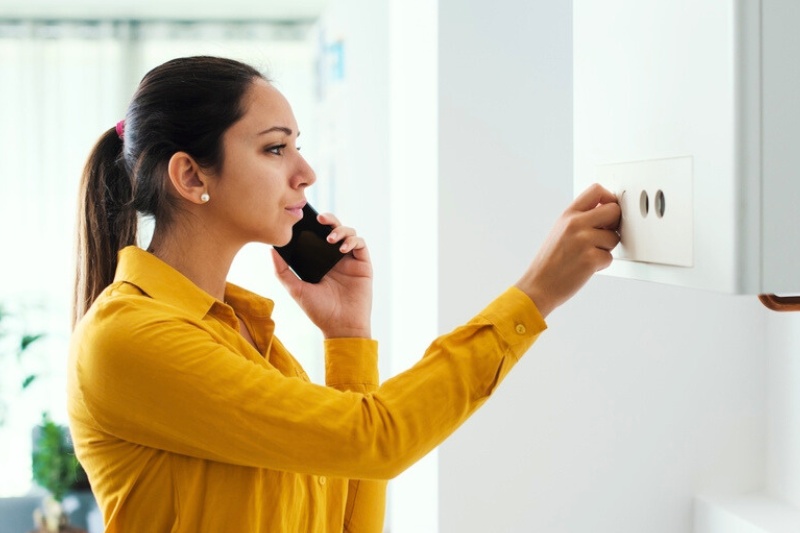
x=197, y=256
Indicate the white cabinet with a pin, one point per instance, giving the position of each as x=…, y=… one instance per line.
x=690, y=110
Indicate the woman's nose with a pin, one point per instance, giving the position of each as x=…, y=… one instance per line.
x=304, y=175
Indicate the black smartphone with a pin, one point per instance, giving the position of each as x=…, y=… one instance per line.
x=308, y=254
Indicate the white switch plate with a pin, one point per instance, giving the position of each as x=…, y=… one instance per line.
x=657, y=209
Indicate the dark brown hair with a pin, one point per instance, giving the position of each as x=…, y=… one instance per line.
x=184, y=105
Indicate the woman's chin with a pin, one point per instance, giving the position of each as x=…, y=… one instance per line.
x=284, y=241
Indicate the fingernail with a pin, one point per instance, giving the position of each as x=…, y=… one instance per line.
x=332, y=237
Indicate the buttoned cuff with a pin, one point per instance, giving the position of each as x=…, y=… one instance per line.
x=351, y=364
x=516, y=319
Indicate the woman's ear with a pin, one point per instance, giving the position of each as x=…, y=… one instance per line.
x=187, y=177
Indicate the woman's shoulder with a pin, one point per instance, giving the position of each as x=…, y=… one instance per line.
x=124, y=313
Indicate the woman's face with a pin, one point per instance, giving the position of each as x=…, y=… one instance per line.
x=260, y=192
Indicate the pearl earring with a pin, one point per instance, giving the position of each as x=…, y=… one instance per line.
x=204, y=197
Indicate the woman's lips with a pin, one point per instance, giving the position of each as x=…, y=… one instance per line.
x=296, y=210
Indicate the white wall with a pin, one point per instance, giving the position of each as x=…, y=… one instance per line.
x=384, y=174
x=639, y=396
x=355, y=134
x=783, y=432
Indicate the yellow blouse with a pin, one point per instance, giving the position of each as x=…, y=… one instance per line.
x=182, y=426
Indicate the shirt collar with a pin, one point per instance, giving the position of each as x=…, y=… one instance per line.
x=161, y=282
x=248, y=303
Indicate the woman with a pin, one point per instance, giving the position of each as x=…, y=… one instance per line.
x=186, y=412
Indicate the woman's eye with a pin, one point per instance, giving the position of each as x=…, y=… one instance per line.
x=277, y=150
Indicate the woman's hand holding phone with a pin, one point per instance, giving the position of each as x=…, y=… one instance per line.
x=340, y=303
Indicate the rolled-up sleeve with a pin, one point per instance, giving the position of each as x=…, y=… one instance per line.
x=352, y=365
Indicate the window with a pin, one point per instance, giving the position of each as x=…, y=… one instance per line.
x=63, y=84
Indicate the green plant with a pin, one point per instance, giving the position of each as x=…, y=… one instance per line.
x=15, y=341
x=55, y=466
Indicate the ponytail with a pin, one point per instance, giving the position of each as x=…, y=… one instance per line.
x=183, y=105
x=107, y=220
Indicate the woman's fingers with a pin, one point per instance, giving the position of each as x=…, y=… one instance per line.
x=607, y=239
x=601, y=221
x=352, y=243
x=593, y=196
x=605, y=216
x=602, y=259
x=341, y=233
x=344, y=235
x=329, y=219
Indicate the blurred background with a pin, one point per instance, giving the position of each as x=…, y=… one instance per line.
x=67, y=72
x=443, y=131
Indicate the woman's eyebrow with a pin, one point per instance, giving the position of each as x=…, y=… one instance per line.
x=287, y=131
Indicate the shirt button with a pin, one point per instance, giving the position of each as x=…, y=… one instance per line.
x=521, y=329
x=322, y=480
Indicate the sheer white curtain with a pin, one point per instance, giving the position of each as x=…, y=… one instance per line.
x=61, y=86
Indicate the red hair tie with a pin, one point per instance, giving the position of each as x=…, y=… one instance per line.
x=121, y=129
